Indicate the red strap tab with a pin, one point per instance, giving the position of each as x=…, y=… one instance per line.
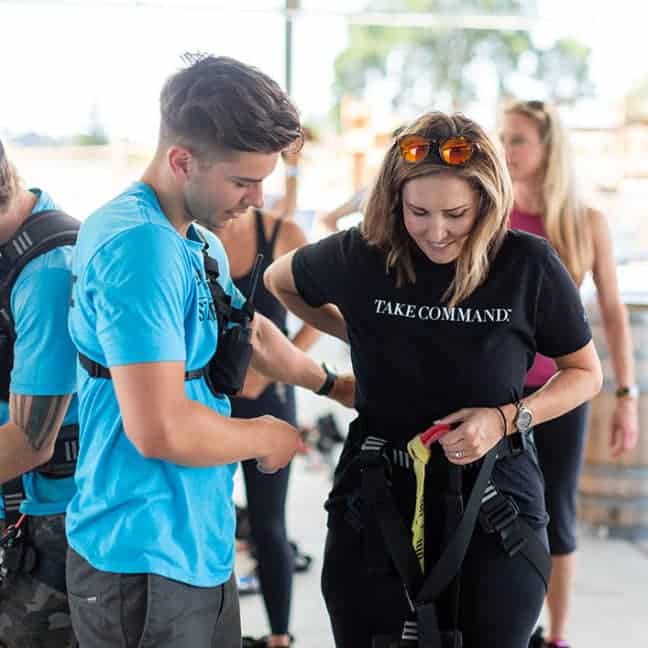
x=434, y=433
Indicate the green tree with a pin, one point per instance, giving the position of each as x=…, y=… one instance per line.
x=441, y=63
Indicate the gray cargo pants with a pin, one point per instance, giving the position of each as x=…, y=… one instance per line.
x=149, y=611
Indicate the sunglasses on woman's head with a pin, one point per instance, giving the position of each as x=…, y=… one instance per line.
x=453, y=151
x=535, y=105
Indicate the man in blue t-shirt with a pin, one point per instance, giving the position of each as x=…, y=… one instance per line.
x=33, y=605
x=151, y=528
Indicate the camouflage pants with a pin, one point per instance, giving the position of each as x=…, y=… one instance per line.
x=32, y=614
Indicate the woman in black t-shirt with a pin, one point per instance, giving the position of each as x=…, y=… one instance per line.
x=444, y=310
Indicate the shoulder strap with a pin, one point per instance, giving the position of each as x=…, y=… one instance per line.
x=262, y=242
x=39, y=234
x=273, y=239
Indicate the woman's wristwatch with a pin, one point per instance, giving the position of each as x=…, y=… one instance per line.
x=627, y=391
x=523, y=421
x=331, y=377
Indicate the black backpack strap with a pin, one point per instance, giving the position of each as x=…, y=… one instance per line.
x=13, y=495
x=40, y=233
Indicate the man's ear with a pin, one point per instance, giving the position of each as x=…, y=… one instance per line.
x=180, y=161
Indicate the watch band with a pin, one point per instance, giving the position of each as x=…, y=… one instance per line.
x=627, y=391
x=331, y=377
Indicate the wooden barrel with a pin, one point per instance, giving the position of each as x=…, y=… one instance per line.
x=614, y=493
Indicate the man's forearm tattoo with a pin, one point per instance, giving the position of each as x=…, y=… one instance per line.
x=38, y=416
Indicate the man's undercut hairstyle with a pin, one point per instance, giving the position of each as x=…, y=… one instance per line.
x=8, y=180
x=218, y=104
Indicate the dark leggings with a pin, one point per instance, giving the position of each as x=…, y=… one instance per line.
x=266, y=501
x=561, y=446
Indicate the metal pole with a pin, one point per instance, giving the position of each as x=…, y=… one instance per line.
x=291, y=7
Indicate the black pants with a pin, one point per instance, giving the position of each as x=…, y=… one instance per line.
x=561, y=447
x=500, y=599
x=149, y=611
x=266, y=501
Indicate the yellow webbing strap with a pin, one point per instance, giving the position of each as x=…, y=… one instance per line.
x=420, y=455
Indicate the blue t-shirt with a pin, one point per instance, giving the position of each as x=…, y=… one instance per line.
x=141, y=295
x=44, y=357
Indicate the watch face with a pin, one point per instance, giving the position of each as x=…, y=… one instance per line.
x=524, y=419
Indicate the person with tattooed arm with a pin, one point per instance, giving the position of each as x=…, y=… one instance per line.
x=38, y=415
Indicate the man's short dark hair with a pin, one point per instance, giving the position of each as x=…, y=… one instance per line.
x=218, y=104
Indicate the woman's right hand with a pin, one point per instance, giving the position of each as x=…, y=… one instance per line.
x=280, y=441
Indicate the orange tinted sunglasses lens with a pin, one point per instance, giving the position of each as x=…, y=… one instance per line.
x=456, y=150
x=414, y=148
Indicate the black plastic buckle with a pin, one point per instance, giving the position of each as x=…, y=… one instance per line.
x=504, y=515
x=375, y=459
x=498, y=513
x=511, y=541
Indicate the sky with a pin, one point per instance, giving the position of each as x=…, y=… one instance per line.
x=62, y=59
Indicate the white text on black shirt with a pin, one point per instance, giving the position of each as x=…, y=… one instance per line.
x=443, y=313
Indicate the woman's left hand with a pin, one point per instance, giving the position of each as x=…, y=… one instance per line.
x=480, y=429
x=625, y=427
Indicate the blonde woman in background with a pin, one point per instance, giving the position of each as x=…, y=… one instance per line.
x=547, y=203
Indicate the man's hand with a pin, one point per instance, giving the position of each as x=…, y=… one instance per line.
x=282, y=440
x=343, y=390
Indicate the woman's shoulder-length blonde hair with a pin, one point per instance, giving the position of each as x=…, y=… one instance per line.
x=486, y=172
x=566, y=217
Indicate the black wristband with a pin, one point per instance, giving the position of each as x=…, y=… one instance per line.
x=499, y=409
x=331, y=377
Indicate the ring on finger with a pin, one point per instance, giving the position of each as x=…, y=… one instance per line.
x=458, y=454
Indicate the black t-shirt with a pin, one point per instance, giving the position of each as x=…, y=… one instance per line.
x=416, y=360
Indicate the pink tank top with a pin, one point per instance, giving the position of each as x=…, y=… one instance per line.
x=543, y=368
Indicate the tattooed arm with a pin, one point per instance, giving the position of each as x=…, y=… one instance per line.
x=27, y=440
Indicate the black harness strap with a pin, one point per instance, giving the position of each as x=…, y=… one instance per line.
x=499, y=514
x=66, y=451
x=96, y=370
x=496, y=513
x=13, y=494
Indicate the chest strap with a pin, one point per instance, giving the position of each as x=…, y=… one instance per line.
x=96, y=370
